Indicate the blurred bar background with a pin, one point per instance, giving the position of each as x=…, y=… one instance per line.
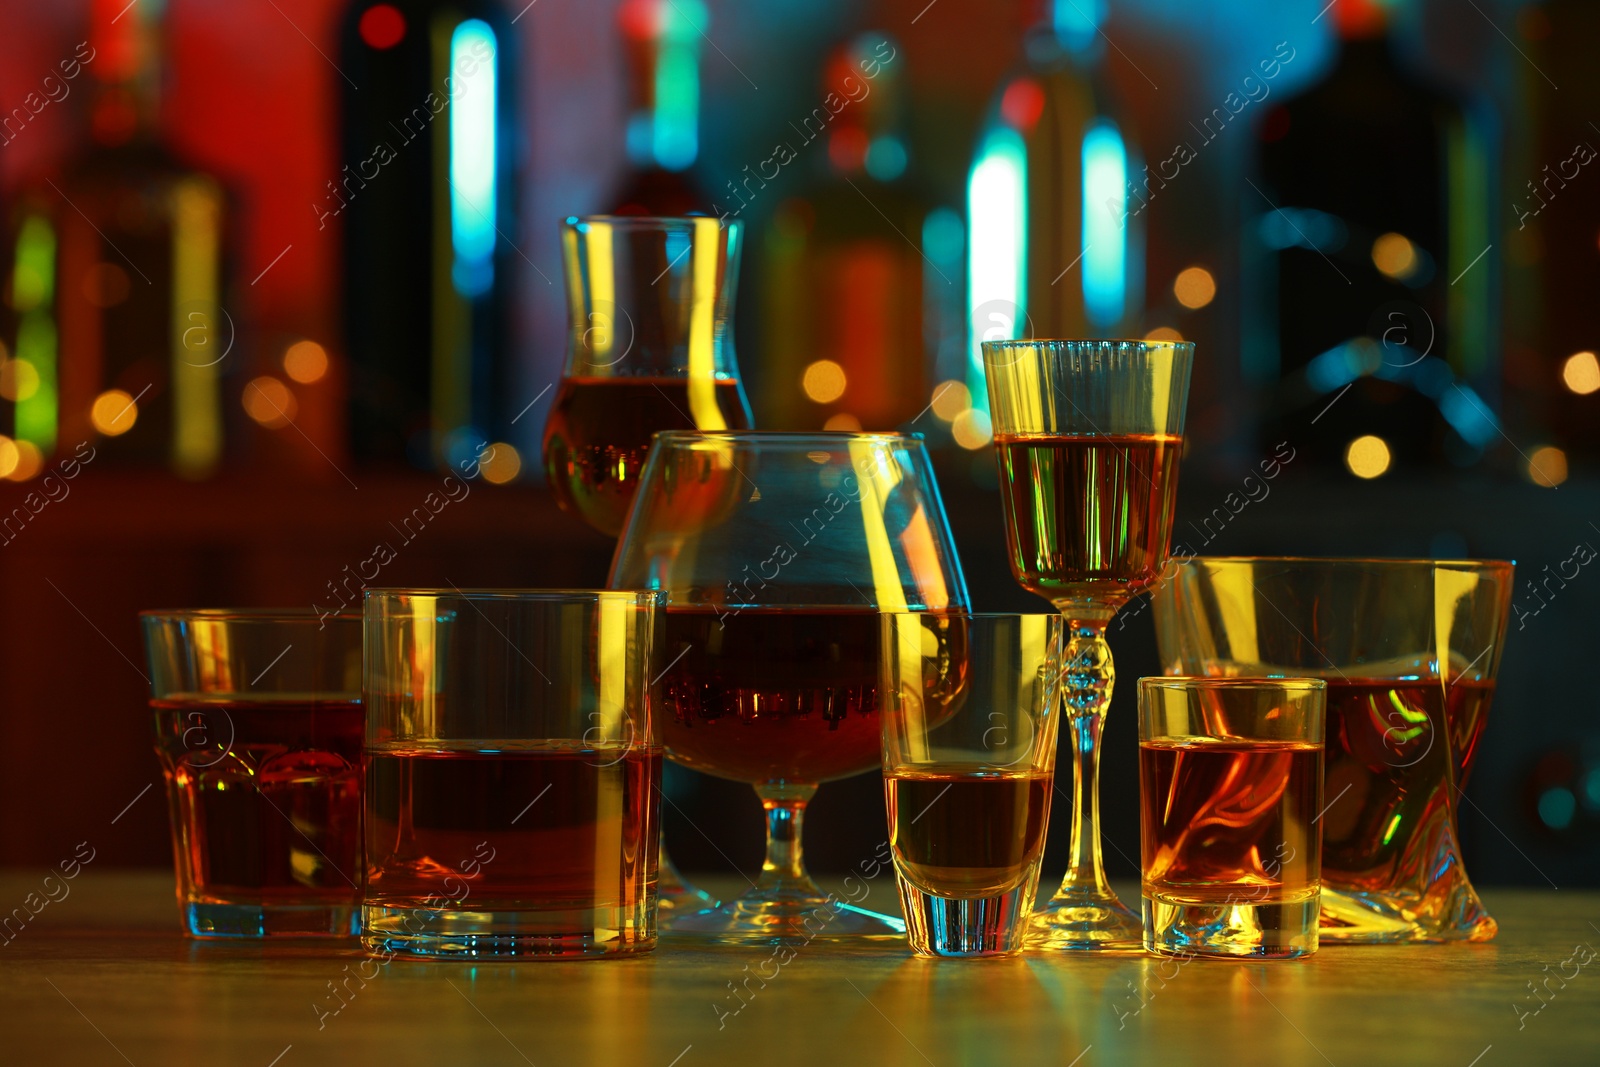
x=283, y=309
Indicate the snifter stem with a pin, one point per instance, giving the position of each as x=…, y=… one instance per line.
x=784, y=869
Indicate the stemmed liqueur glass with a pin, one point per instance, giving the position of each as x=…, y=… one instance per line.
x=1087, y=435
x=777, y=551
x=649, y=347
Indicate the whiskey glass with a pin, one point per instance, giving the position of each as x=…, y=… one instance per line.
x=513, y=773
x=969, y=757
x=258, y=723
x=1230, y=791
x=1409, y=651
x=776, y=553
x=1088, y=435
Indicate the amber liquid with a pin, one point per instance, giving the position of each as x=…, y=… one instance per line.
x=265, y=798
x=1088, y=515
x=766, y=694
x=1229, y=821
x=527, y=826
x=1388, y=772
x=959, y=834
x=599, y=432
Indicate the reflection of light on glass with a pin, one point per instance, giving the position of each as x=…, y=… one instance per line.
x=501, y=464
x=1105, y=237
x=1581, y=373
x=675, y=133
x=269, y=402
x=1367, y=456
x=1194, y=287
x=1557, y=807
x=1163, y=333
x=971, y=429
x=950, y=399
x=997, y=250
x=305, y=361
x=472, y=157
x=824, y=381
x=8, y=456
x=1388, y=833
x=1547, y=467
x=113, y=413
x=196, y=358
x=32, y=295
x=1395, y=256
x=844, y=422
x=30, y=461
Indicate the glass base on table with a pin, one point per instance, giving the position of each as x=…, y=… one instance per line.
x=570, y=933
x=1355, y=918
x=1085, y=920
x=786, y=914
x=1255, y=929
x=949, y=927
x=210, y=919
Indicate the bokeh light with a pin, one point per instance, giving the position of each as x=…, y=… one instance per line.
x=18, y=379
x=113, y=413
x=950, y=399
x=501, y=464
x=1395, y=256
x=1580, y=373
x=305, y=361
x=30, y=461
x=269, y=402
x=1163, y=333
x=1367, y=456
x=843, y=422
x=824, y=381
x=971, y=429
x=1195, y=287
x=8, y=456
x=1547, y=466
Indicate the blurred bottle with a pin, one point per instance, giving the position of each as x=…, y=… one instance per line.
x=115, y=277
x=1552, y=229
x=1364, y=266
x=849, y=267
x=1057, y=246
x=662, y=40
x=427, y=199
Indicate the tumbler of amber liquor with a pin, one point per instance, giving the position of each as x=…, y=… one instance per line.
x=1230, y=788
x=970, y=709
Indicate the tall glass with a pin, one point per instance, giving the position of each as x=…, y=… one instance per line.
x=1409, y=649
x=258, y=726
x=969, y=759
x=776, y=552
x=1088, y=435
x=649, y=347
x=512, y=773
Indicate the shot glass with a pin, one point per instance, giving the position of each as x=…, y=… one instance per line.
x=1230, y=786
x=512, y=773
x=969, y=740
x=259, y=728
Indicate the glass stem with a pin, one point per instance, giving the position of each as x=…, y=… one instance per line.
x=1090, y=676
x=784, y=869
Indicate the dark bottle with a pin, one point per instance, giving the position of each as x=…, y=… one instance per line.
x=426, y=197
x=115, y=279
x=662, y=41
x=845, y=278
x=1365, y=240
x=1056, y=238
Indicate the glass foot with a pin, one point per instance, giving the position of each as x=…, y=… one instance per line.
x=210, y=919
x=674, y=896
x=1086, y=920
x=1372, y=918
x=763, y=915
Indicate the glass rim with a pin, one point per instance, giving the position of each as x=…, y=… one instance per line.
x=649, y=222
x=248, y=614
x=532, y=596
x=797, y=436
x=1059, y=343
x=1191, y=682
x=1364, y=561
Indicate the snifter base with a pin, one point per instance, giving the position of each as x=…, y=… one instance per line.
x=765, y=916
x=471, y=934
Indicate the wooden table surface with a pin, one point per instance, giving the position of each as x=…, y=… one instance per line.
x=103, y=976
